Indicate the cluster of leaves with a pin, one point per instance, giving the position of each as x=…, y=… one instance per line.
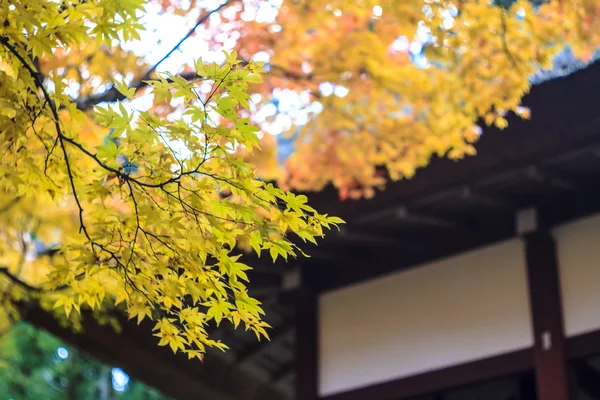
x=106, y=203
x=475, y=58
x=35, y=364
x=150, y=220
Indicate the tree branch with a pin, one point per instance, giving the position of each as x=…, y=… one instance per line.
x=200, y=21
x=61, y=137
x=4, y=271
x=505, y=41
x=112, y=94
x=9, y=205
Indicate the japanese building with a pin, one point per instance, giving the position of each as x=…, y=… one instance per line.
x=477, y=279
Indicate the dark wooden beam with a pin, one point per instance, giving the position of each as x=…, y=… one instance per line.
x=443, y=379
x=559, y=180
x=436, y=247
x=115, y=349
x=362, y=237
x=404, y=214
x=584, y=345
x=546, y=314
x=135, y=350
x=410, y=216
x=579, y=346
x=265, y=265
x=555, y=131
x=468, y=194
x=275, y=334
x=360, y=241
x=572, y=206
x=325, y=255
x=307, y=350
x=283, y=372
x=588, y=379
x=485, y=199
x=559, y=209
x=265, y=283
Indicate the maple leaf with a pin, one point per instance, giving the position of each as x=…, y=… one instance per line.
x=179, y=182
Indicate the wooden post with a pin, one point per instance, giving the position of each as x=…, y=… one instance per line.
x=306, y=340
x=551, y=370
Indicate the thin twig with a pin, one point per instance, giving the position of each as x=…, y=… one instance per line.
x=10, y=204
x=505, y=42
x=56, y=120
x=14, y=279
x=111, y=95
x=200, y=21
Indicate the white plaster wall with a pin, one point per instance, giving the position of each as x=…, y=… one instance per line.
x=578, y=248
x=457, y=310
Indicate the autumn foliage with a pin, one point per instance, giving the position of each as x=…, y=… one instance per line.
x=419, y=76
x=129, y=187
x=129, y=221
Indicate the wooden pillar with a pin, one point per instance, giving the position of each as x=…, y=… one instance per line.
x=306, y=339
x=551, y=372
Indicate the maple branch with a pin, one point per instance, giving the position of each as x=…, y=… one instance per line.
x=122, y=175
x=10, y=204
x=505, y=42
x=14, y=279
x=61, y=137
x=200, y=21
x=112, y=94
